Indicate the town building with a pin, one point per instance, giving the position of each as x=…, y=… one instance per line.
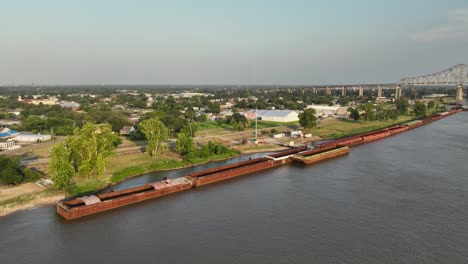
x=37, y=101
x=274, y=115
x=32, y=138
x=67, y=104
x=7, y=139
x=127, y=130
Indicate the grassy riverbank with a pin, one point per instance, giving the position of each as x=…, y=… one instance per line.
x=343, y=127
x=27, y=201
x=122, y=167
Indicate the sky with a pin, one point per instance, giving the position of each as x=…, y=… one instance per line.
x=294, y=42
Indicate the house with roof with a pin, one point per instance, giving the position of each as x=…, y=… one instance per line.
x=8, y=139
x=67, y=104
x=127, y=130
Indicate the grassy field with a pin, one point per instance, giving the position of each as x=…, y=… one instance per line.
x=340, y=128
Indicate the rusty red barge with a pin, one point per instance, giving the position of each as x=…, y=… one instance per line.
x=77, y=207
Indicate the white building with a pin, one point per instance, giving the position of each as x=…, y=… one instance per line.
x=278, y=115
x=32, y=138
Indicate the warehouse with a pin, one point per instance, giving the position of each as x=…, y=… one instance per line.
x=32, y=138
x=278, y=115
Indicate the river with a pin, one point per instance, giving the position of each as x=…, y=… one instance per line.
x=403, y=199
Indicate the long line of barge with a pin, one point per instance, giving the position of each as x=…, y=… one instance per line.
x=77, y=207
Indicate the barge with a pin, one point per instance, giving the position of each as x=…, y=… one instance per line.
x=313, y=157
x=87, y=205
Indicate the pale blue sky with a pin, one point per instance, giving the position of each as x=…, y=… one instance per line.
x=214, y=42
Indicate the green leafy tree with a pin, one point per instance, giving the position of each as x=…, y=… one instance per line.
x=33, y=123
x=431, y=104
x=91, y=147
x=393, y=114
x=190, y=129
x=353, y=113
x=9, y=171
x=307, y=119
x=402, y=105
x=368, y=110
x=202, y=118
x=156, y=133
x=184, y=144
x=419, y=109
x=61, y=166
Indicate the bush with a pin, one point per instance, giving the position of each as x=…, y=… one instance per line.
x=9, y=171
x=31, y=175
x=263, y=132
x=274, y=131
x=210, y=151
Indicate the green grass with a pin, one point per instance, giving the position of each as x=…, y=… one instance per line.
x=88, y=185
x=199, y=160
x=127, y=172
x=343, y=128
x=212, y=125
x=167, y=165
x=22, y=199
x=163, y=163
x=142, y=169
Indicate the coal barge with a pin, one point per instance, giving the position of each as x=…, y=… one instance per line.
x=77, y=207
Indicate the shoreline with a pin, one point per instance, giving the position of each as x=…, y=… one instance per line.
x=47, y=200
x=35, y=203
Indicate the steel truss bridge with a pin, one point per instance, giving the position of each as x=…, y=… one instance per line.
x=457, y=74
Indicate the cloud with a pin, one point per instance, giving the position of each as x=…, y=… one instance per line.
x=456, y=28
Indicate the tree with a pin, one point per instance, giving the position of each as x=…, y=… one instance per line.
x=33, y=122
x=156, y=133
x=9, y=171
x=202, y=118
x=85, y=154
x=419, y=109
x=190, y=129
x=368, y=112
x=184, y=144
x=61, y=166
x=307, y=119
x=393, y=114
x=91, y=147
x=431, y=104
x=238, y=121
x=401, y=105
x=354, y=113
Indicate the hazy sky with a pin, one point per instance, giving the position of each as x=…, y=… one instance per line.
x=216, y=42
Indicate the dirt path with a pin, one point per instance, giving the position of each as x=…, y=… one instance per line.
x=7, y=193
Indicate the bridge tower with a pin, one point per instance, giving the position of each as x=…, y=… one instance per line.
x=379, y=91
x=459, y=91
x=343, y=91
x=411, y=94
x=398, y=91
x=361, y=91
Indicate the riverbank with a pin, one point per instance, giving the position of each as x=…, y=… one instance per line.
x=37, y=197
x=119, y=170
x=30, y=201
